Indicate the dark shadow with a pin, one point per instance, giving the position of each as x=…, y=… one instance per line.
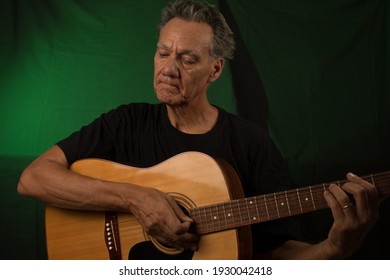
x=247, y=84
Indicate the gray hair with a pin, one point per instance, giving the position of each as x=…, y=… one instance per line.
x=189, y=10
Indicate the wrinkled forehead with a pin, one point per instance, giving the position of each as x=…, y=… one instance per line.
x=182, y=35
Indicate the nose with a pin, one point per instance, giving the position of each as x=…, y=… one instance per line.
x=171, y=68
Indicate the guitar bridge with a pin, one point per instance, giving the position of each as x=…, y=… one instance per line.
x=111, y=236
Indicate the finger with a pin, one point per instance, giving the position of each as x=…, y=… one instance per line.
x=168, y=242
x=371, y=191
x=361, y=201
x=365, y=194
x=193, y=241
x=189, y=241
x=182, y=242
x=343, y=200
x=333, y=203
x=356, y=179
x=179, y=212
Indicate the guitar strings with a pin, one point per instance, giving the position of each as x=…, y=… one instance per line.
x=240, y=211
x=209, y=221
x=277, y=205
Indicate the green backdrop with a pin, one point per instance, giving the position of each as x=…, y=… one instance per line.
x=314, y=73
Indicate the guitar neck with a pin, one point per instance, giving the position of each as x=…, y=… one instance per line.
x=257, y=209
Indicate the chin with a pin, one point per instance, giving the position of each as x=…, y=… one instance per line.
x=170, y=98
x=172, y=102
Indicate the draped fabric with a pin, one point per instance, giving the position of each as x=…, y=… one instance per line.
x=66, y=62
x=314, y=73
x=324, y=72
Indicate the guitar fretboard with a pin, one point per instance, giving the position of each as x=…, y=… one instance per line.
x=251, y=210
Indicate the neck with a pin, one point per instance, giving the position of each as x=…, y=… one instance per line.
x=193, y=120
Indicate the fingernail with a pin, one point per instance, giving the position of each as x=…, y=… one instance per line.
x=353, y=175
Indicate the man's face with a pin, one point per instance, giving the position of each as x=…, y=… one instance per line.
x=183, y=67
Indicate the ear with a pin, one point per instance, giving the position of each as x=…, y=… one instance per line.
x=217, y=66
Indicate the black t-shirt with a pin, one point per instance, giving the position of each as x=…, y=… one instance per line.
x=141, y=135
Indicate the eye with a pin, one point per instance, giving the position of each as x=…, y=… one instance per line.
x=188, y=61
x=162, y=52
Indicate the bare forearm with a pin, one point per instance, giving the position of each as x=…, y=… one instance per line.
x=49, y=179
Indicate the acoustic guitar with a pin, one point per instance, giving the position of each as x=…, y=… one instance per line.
x=206, y=188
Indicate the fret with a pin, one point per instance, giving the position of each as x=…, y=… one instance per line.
x=272, y=206
x=229, y=216
x=304, y=195
x=261, y=208
x=372, y=180
x=224, y=214
x=251, y=210
x=215, y=217
x=292, y=202
x=250, y=204
x=205, y=218
x=266, y=207
x=257, y=207
x=277, y=206
x=239, y=211
x=288, y=204
x=247, y=209
x=311, y=195
x=283, y=203
x=194, y=213
x=246, y=216
x=199, y=220
x=299, y=200
x=283, y=208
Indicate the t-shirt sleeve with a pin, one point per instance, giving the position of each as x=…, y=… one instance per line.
x=95, y=140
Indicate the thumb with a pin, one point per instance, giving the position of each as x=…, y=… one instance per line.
x=178, y=211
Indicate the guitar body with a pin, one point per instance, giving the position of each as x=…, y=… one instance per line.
x=193, y=178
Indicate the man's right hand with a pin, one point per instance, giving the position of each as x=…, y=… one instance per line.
x=162, y=218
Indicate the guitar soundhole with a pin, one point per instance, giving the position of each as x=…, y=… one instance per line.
x=190, y=230
x=151, y=249
x=147, y=251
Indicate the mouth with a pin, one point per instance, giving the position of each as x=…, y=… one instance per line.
x=168, y=86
